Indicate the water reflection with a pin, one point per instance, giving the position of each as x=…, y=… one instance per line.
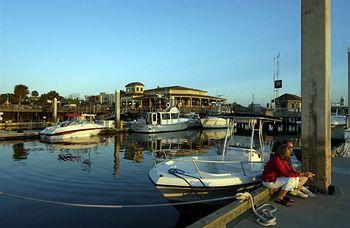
x=86, y=144
x=77, y=150
x=117, y=150
x=197, y=142
x=19, y=152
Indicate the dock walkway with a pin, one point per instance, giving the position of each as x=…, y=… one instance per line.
x=321, y=211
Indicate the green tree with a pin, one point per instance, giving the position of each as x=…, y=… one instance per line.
x=49, y=96
x=21, y=92
x=34, y=96
x=35, y=93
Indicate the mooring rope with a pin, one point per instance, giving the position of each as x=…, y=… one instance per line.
x=113, y=206
x=265, y=217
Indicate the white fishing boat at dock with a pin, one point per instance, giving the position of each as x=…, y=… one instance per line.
x=187, y=178
x=162, y=121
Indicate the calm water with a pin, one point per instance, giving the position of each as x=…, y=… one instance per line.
x=104, y=171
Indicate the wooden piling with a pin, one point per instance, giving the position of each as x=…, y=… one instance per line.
x=54, y=112
x=117, y=109
x=315, y=90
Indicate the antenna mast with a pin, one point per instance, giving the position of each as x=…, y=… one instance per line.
x=277, y=83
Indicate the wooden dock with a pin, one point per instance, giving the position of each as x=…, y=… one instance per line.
x=7, y=136
x=229, y=213
x=18, y=135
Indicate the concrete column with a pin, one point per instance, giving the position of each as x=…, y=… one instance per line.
x=315, y=90
x=348, y=87
x=54, y=113
x=117, y=109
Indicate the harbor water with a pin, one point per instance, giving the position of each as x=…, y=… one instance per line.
x=103, y=171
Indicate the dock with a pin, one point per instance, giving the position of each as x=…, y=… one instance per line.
x=18, y=135
x=9, y=136
x=321, y=211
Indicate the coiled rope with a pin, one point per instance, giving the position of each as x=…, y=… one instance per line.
x=113, y=206
x=263, y=213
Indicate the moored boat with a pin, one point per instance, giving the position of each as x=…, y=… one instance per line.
x=212, y=122
x=162, y=121
x=208, y=177
x=338, y=122
x=75, y=126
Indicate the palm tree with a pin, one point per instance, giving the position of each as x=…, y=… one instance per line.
x=21, y=92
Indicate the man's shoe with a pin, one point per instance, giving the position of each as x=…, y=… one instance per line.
x=307, y=192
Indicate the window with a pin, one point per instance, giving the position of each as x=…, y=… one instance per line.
x=141, y=89
x=166, y=116
x=154, y=117
x=137, y=89
x=174, y=115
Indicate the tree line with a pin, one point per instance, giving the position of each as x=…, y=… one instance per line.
x=22, y=95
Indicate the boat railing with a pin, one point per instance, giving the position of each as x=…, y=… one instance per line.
x=163, y=154
x=219, y=162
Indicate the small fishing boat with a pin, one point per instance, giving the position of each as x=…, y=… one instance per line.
x=162, y=121
x=196, y=177
x=212, y=122
x=72, y=127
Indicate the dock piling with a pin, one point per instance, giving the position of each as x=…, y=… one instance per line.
x=54, y=113
x=117, y=109
x=315, y=91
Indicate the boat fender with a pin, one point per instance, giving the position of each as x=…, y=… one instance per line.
x=176, y=170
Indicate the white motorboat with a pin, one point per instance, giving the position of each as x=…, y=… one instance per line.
x=76, y=126
x=214, y=122
x=187, y=178
x=162, y=121
x=338, y=122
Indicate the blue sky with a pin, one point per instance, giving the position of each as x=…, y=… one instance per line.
x=224, y=47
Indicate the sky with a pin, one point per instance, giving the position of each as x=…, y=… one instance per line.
x=224, y=47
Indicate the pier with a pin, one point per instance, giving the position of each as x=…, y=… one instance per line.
x=321, y=211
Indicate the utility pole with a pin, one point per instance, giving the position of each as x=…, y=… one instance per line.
x=315, y=91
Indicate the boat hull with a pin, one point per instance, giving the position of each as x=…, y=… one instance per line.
x=214, y=123
x=337, y=132
x=57, y=134
x=187, y=194
x=148, y=128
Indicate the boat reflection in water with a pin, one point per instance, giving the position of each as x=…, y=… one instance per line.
x=77, y=150
x=180, y=143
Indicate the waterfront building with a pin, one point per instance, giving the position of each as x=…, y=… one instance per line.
x=186, y=99
x=288, y=102
x=133, y=95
